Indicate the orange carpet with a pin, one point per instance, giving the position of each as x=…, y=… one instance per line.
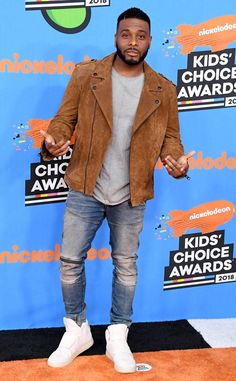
x=179, y=365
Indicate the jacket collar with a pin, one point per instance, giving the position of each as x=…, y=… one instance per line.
x=101, y=86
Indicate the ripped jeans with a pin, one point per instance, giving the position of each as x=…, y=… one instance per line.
x=83, y=217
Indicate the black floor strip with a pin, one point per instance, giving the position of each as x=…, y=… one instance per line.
x=143, y=337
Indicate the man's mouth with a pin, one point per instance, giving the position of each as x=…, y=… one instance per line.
x=132, y=52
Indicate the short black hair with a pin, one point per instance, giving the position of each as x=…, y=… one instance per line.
x=135, y=13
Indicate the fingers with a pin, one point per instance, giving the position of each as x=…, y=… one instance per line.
x=170, y=170
x=190, y=154
x=171, y=164
x=55, y=149
x=183, y=161
x=180, y=167
x=48, y=138
x=176, y=168
x=60, y=148
x=175, y=172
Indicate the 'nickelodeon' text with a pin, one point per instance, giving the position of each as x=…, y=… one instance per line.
x=210, y=213
x=39, y=256
x=26, y=66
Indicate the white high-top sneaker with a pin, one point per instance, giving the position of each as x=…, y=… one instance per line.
x=117, y=348
x=75, y=340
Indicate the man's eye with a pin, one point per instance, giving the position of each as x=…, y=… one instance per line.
x=125, y=35
x=141, y=37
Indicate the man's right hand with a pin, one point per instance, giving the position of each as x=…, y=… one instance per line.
x=55, y=149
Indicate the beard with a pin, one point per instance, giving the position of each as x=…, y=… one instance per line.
x=130, y=61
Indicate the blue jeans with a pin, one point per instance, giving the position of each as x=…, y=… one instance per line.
x=83, y=217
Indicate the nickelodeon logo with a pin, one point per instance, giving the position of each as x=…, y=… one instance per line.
x=26, y=66
x=26, y=256
x=217, y=33
x=201, y=162
x=206, y=217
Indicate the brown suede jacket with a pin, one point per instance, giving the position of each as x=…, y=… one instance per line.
x=86, y=109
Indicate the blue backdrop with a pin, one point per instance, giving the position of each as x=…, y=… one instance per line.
x=186, y=256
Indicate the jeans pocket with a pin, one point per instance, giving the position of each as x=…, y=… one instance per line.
x=73, y=199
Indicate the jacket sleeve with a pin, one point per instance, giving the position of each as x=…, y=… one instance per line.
x=63, y=124
x=172, y=142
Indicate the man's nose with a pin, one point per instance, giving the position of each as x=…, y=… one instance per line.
x=133, y=41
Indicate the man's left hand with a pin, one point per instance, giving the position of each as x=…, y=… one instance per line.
x=177, y=168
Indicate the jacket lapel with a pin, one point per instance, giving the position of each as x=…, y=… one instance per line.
x=101, y=85
x=150, y=98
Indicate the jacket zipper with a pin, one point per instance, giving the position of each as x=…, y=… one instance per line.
x=90, y=144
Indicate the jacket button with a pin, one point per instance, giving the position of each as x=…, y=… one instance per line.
x=95, y=74
x=157, y=101
x=94, y=87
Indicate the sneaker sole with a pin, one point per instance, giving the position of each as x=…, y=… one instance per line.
x=83, y=349
x=121, y=370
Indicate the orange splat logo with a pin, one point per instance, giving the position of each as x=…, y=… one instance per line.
x=216, y=33
x=205, y=217
x=37, y=125
x=34, y=133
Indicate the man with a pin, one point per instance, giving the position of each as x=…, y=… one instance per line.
x=124, y=116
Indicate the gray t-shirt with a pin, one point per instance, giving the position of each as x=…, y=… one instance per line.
x=112, y=186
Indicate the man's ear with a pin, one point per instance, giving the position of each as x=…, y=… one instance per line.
x=150, y=41
x=115, y=36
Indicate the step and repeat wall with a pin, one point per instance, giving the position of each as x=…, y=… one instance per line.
x=187, y=265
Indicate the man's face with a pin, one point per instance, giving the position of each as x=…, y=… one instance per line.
x=132, y=40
